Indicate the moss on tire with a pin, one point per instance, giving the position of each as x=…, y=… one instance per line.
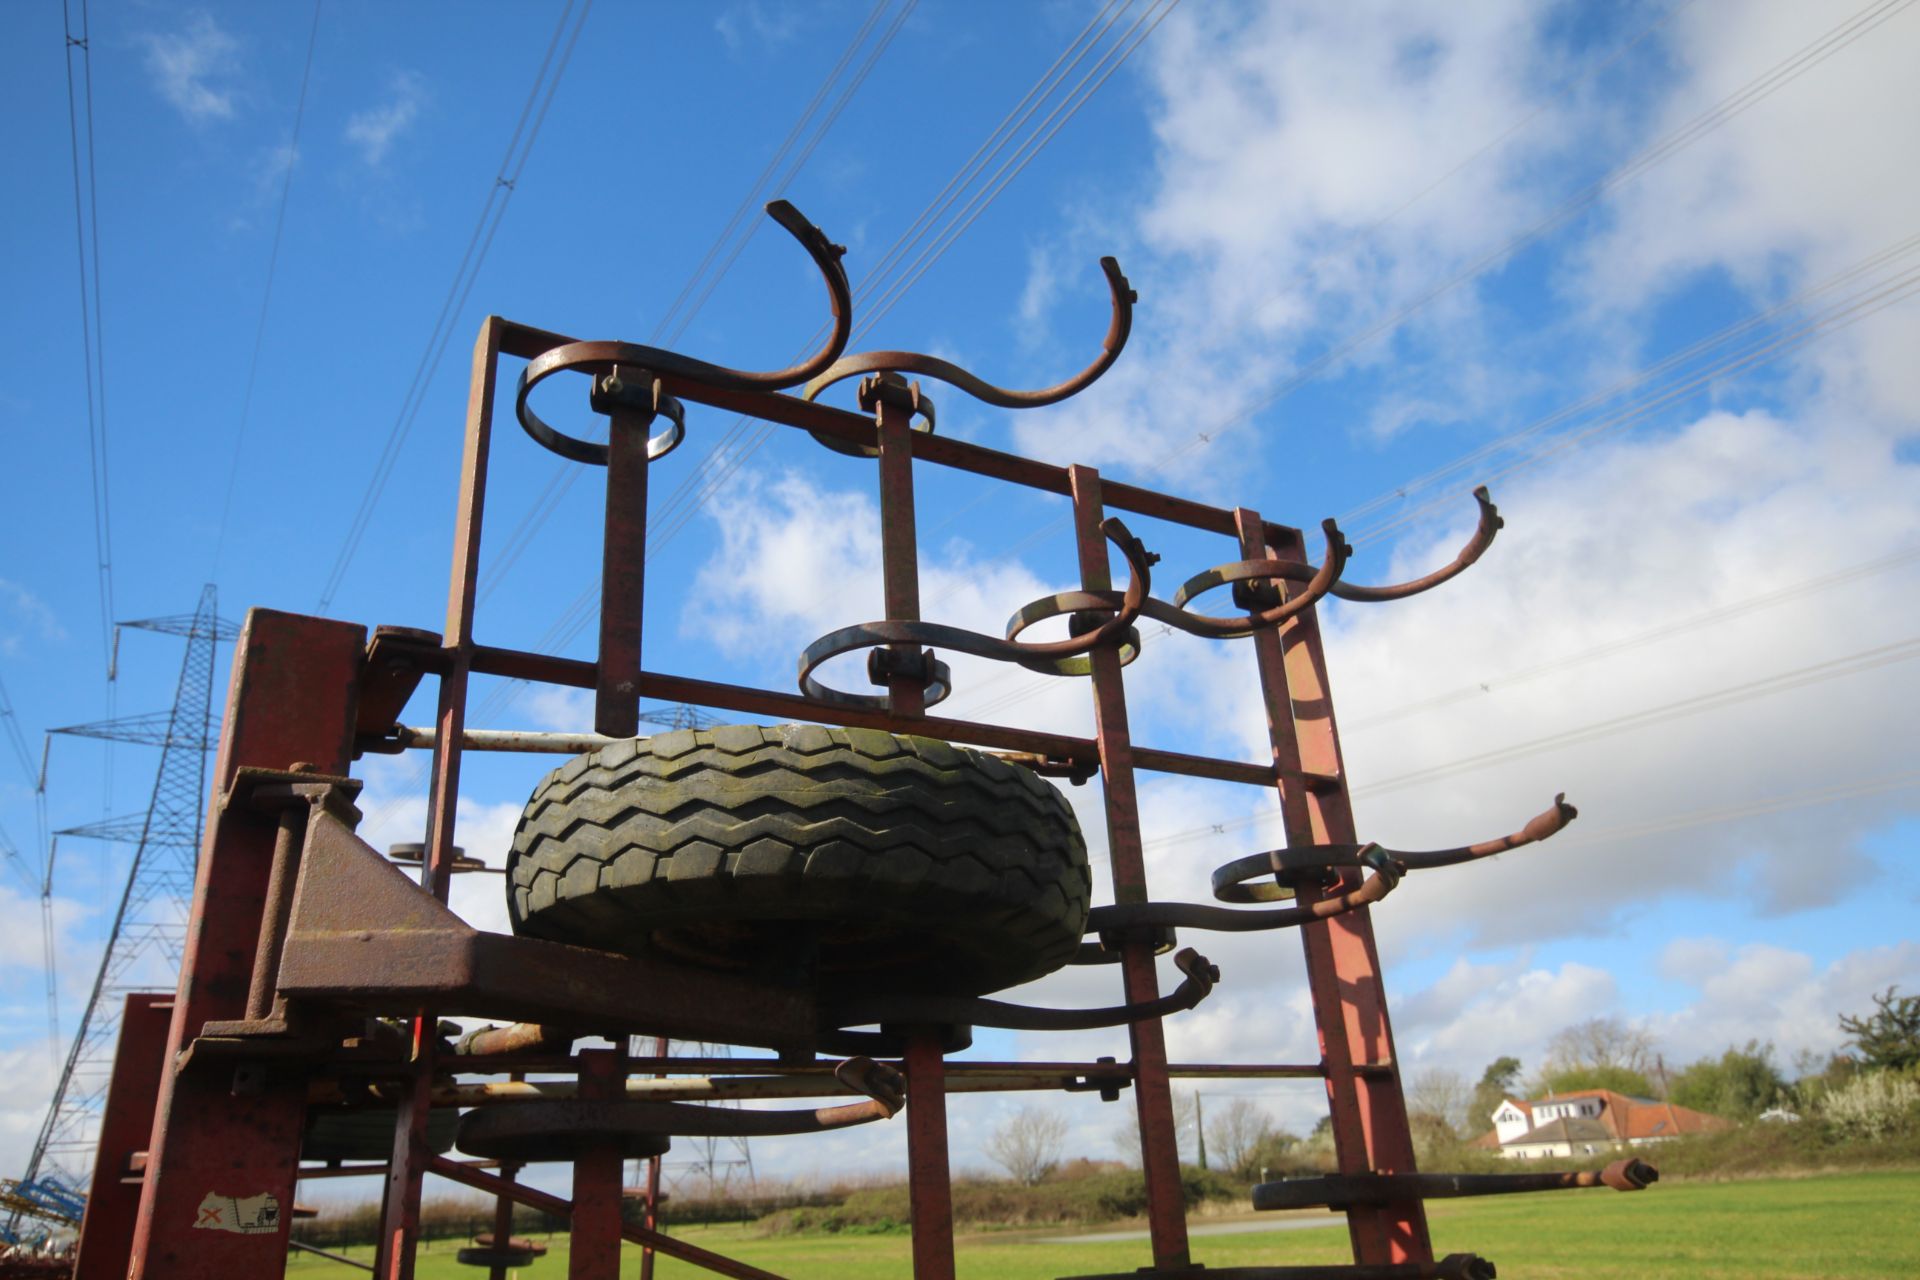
x=852, y=859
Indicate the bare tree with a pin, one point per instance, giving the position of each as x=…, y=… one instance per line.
x=1441, y=1094
x=1185, y=1128
x=1236, y=1128
x=1600, y=1043
x=1028, y=1145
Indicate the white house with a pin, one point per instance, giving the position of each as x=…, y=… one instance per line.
x=1588, y=1122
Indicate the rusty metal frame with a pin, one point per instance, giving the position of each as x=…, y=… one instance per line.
x=296, y=929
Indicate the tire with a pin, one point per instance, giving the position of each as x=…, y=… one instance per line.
x=851, y=860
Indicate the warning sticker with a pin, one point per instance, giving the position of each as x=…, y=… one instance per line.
x=248, y=1215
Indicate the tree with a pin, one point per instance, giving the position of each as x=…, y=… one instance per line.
x=1888, y=1039
x=1497, y=1082
x=1028, y=1145
x=1601, y=1042
x=1185, y=1128
x=1236, y=1130
x=1739, y=1084
x=1573, y=1079
x=1441, y=1095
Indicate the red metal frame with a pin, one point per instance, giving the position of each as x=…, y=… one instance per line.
x=305, y=691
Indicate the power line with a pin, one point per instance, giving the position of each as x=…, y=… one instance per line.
x=1639, y=377
x=565, y=475
x=719, y=463
x=1879, y=297
x=1876, y=297
x=675, y=515
x=1714, y=617
x=1819, y=672
x=492, y=213
x=93, y=344
x=1801, y=61
x=1761, y=87
x=266, y=294
x=1781, y=682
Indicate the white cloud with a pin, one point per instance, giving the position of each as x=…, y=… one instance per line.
x=1782, y=195
x=1289, y=140
x=376, y=129
x=193, y=68
x=751, y=21
x=25, y=617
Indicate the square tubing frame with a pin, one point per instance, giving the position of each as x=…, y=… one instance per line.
x=295, y=697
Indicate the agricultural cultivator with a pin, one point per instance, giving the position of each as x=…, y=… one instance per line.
x=846, y=881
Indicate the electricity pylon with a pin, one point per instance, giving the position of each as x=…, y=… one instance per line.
x=149, y=930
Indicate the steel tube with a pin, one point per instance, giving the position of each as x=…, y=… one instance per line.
x=1368, y=1113
x=593, y=1246
x=1153, y=1096
x=623, y=557
x=929, y=1178
x=273, y=916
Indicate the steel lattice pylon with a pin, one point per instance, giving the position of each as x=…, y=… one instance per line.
x=149, y=930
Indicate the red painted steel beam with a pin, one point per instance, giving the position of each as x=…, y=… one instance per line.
x=126, y=1122
x=1153, y=1095
x=594, y=1241
x=623, y=562
x=1369, y=1115
x=225, y=1142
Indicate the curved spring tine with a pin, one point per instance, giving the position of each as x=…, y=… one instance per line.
x=1320, y=581
x=600, y=358
x=1118, y=328
x=1052, y=657
x=1540, y=827
x=1490, y=524
x=1201, y=975
x=1121, y=918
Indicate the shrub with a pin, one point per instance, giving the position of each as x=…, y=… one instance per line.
x=1874, y=1105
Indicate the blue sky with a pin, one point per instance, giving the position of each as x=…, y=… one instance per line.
x=1644, y=267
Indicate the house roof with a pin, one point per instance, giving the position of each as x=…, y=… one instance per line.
x=1622, y=1118
x=1566, y=1129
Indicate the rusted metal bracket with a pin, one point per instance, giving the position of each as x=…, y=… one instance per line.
x=366, y=937
x=1341, y=1190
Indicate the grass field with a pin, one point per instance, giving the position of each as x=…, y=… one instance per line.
x=1845, y=1225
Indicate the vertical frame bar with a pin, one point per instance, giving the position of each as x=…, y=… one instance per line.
x=126, y=1122
x=406, y=1172
x=929, y=1177
x=623, y=565
x=1153, y=1093
x=593, y=1242
x=215, y=1135
x=1369, y=1116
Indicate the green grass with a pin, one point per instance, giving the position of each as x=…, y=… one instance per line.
x=1864, y=1225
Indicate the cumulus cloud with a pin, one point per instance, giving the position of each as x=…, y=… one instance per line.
x=375, y=130
x=194, y=67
